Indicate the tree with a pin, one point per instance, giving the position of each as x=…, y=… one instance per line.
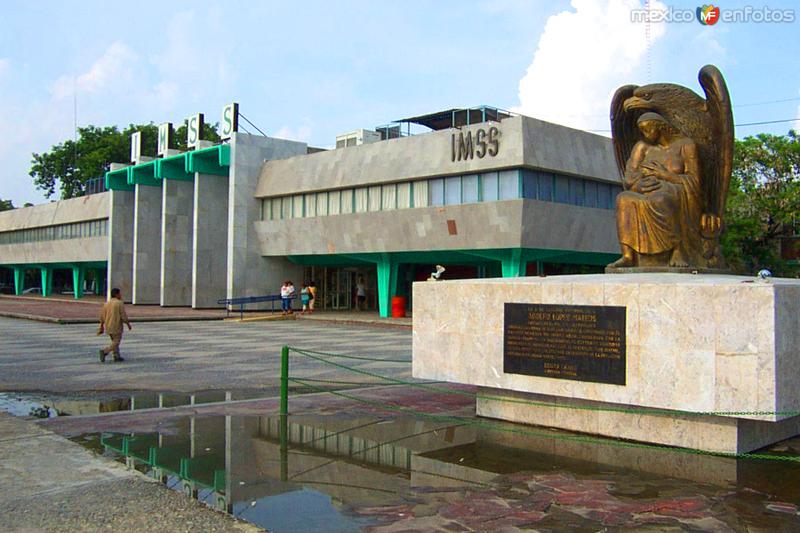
x=70, y=164
x=763, y=206
x=6, y=205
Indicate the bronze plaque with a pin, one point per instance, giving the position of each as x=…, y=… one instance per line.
x=578, y=342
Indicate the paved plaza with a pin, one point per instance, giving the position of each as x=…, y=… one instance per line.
x=187, y=356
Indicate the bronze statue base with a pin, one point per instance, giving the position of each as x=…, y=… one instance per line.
x=666, y=269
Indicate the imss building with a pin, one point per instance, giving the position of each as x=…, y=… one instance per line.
x=485, y=193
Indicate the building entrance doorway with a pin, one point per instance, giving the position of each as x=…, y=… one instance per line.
x=336, y=286
x=338, y=289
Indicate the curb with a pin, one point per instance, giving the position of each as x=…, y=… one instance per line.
x=65, y=321
x=347, y=322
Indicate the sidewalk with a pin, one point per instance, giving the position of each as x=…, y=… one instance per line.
x=61, y=310
x=371, y=318
x=52, y=484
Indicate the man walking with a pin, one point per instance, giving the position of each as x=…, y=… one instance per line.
x=111, y=319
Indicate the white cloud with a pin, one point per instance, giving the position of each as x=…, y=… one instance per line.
x=583, y=56
x=4, y=66
x=301, y=133
x=115, y=67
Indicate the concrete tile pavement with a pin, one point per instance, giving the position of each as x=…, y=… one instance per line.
x=187, y=356
x=52, y=484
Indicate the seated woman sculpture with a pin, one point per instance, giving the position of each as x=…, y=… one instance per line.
x=658, y=213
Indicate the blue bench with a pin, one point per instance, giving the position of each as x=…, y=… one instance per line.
x=241, y=302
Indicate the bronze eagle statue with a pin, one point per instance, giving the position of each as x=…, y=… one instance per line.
x=674, y=150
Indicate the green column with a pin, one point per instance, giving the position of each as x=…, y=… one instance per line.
x=47, y=280
x=77, y=281
x=387, y=285
x=514, y=266
x=19, y=280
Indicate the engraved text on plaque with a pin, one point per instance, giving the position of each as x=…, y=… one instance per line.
x=578, y=342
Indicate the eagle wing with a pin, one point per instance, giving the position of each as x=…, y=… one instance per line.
x=623, y=126
x=718, y=167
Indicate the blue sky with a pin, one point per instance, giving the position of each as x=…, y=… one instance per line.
x=310, y=70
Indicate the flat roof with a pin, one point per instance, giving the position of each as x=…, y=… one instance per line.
x=457, y=116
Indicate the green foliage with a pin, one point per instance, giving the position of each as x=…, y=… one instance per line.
x=6, y=205
x=70, y=164
x=763, y=205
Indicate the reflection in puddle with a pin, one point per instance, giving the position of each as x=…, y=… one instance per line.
x=22, y=405
x=354, y=472
x=39, y=405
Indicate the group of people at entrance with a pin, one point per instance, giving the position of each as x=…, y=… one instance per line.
x=308, y=295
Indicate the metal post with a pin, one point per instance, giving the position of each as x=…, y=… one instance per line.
x=284, y=414
x=284, y=381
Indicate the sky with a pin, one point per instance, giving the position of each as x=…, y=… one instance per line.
x=311, y=70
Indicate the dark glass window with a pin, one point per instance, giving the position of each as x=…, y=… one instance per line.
x=545, y=189
x=590, y=199
x=562, y=189
x=576, y=193
x=529, y=184
x=604, y=195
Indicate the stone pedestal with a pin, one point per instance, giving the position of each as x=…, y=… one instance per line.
x=723, y=350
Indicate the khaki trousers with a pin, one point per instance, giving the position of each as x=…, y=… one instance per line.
x=116, y=338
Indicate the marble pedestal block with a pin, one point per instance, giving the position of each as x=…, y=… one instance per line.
x=723, y=350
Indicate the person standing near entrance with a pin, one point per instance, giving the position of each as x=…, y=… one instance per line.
x=361, y=294
x=312, y=288
x=112, y=317
x=305, y=298
x=287, y=292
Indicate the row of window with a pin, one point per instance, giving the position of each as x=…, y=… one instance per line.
x=471, y=188
x=77, y=230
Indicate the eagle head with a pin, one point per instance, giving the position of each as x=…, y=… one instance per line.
x=661, y=96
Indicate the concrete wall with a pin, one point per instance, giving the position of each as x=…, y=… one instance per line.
x=523, y=141
x=249, y=274
x=85, y=208
x=506, y=224
x=176, y=243
x=56, y=251
x=146, y=245
x=569, y=151
x=120, y=243
x=555, y=226
x=80, y=209
x=209, y=250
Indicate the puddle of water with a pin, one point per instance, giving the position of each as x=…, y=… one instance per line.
x=21, y=405
x=362, y=472
x=40, y=405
